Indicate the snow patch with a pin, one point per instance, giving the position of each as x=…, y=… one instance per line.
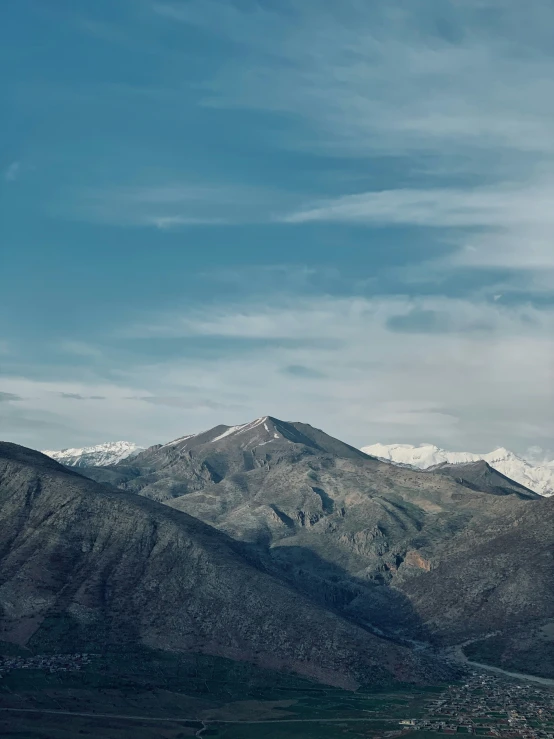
x=240, y=429
x=179, y=440
x=230, y=430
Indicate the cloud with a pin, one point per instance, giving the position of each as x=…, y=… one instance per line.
x=507, y=225
x=81, y=349
x=300, y=370
x=387, y=78
x=481, y=378
x=181, y=402
x=168, y=206
x=12, y=172
x=500, y=206
x=9, y=397
x=421, y=321
x=78, y=396
x=459, y=383
x=453, y=103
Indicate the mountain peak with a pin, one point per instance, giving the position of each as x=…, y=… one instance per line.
x=261, y=432
x=501, y=453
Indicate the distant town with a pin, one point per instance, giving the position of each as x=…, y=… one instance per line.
x=489, y=705
x=48, y=663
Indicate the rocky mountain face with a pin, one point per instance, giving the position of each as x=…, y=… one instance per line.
x=86, y=562
x=535, y=476
x=494, y=587
x=356, y=534
x=100, y=455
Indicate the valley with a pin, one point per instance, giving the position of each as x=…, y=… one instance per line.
x=158, y=694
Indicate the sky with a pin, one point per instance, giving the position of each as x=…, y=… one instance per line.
x=340, y=213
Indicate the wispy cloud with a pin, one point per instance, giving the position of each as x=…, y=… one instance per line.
x=12, y=172
x=389, y=77
x=190, y=403
x=167, y=206
x=507, y=225
x=9, y=397
x=501, y=206
x=459, y=97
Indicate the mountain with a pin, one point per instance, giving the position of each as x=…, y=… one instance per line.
x=537, y=477
x=481, y=476
x=82, y=563
x=100, y=455
x=354, y=533
x=191, y=462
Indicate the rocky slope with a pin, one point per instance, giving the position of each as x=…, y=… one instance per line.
x=482, y=477
x=340, y=526
x=536, y=477
x=116, y=568
x=494, y=586
x=100, y=455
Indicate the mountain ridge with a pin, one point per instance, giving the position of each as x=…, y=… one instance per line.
x=99, y=455
x=536, y=477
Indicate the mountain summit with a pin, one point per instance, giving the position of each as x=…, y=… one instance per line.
x=261, y=432
x=189, y=463
x=536, y=477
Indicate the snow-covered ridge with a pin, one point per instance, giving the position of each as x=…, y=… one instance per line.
x=96, y=456
x=537, y=477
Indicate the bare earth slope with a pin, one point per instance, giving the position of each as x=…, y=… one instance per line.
x=120, y=567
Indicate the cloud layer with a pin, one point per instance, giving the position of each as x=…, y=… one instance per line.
x=462, y=374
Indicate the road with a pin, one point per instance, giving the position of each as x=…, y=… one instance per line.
x=178, y=719
x=516, y=675
x=458, y=653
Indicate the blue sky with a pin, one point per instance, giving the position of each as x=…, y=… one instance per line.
x=340, y=213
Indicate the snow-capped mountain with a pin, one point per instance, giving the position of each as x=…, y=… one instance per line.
x=96, y=456
x=537, y=477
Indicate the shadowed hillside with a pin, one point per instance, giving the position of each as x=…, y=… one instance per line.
x=113, y=568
